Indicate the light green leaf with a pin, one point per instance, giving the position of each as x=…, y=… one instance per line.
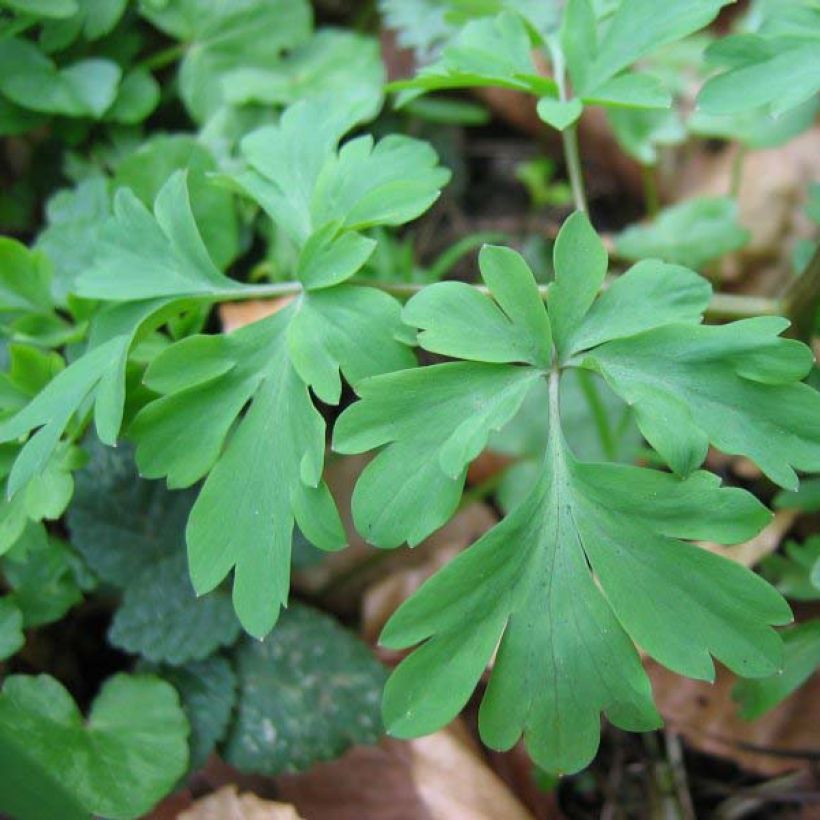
x=337, y=61
x=580, y=262
x=793, y=573
x=801, y=659
x=515, y=319
x=304, y=182
x=637, y=28
x=650, y=294
x=756, y=128
x=806, y=498
x=565, y=652
x=137, y=97
x=777, y=74
x=630, y=91
x=268, y=475
x=414, y=485
x=11, y=628
x=732, y=385
x=352, y=330
x=220, y=38
x=30, y=79
x=306, y=693
x=642, y=132
x=140, y=256
x=596, y=423
x=45, y=577
x=487, y=52
x=132, y=747
x=559, y=114
x=213, y=208
x=73, y=219
x=692, y=233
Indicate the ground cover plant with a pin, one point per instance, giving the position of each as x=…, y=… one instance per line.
x=175, y=540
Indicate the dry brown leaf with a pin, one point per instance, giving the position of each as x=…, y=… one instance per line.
x=234, y=315
x=439, y=777
x=782, y=740
x=227, y=804
x=771, y=197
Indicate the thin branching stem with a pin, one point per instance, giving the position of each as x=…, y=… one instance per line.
x=722, y=305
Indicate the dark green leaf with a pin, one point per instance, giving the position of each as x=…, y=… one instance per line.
x=306, y=693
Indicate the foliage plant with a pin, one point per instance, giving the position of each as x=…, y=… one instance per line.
x=117, y=378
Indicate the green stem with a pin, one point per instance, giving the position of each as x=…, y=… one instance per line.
x=599, y=413
x=802, y=300
x=569, y=136
x=722, y=305
x=163, y=58
x=650, y=189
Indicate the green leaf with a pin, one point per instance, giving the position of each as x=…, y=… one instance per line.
x=11, y=628
x=801, y=660
x=580, y=263
x=43, y=8
x=773, y=73
x=560, y=115
x=306, y=693
x=268, y=475
x=220, y=38
x=350, y=330
x=427, y=25
x=454, y=406
x=213, y=208
x=161, y=619
x=137, y=97
x=806, y=498
x=793, y=573
x=565, y=652
x=45, y=496
x=208, y=692
x=487, y=52
x=592, y=561
x=756, y=128
x=641, y=132
x=304, y=182
x=337, y=61
x=630, y=91
x=596, y=423
x=122, y=525
x=140, y=256
x=73, y=219
x=693, y=233
x=45, y=577
x=732, y=385
x=635, y=29
x=414, y=485
x=30, y=79
x=132, y=746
